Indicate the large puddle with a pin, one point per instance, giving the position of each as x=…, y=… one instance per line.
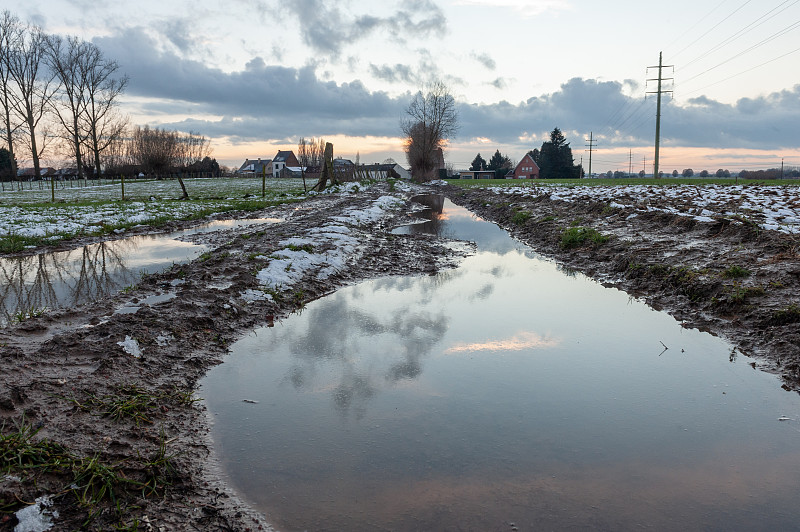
x=506, y=394
x=68, y=278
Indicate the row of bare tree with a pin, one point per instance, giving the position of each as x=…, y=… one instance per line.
x=55, y=88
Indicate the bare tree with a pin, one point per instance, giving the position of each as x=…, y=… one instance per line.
x=304, y=157
x=103, y=124
x=159, y=151
x=34, y=86
x=431, y=119
x=67, y=58
x=10, y=32
x=311, y=154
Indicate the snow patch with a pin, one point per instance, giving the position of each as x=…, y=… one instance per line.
x=38, y=517
x=131, y=346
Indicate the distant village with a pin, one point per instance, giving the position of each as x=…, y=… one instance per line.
x=285, y=165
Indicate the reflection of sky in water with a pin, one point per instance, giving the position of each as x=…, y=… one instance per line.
x=68, y=278
x=502, y=391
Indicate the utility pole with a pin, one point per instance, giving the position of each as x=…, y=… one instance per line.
x=658, y=108
x=630, y=162
x=781, y=167
x=591, y=144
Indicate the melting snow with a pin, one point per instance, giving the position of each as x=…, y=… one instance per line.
x=37, y=517
x=131, y=346
x=771, y=207
x=288, y=266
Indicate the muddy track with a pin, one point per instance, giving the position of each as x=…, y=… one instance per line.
x=65, y=374
x=728, y=277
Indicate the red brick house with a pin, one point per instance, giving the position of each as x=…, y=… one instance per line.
x=526, y=169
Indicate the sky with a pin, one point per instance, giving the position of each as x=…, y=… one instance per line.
x=256, y=75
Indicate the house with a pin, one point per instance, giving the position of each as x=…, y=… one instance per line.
x=526, y=169
x=281, y=161
x=255, y=166
x=477, y=174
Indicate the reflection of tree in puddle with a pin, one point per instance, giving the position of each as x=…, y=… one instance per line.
x=370, y=350
x=63, y=279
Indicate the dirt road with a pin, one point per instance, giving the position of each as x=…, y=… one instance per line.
x=97, y=406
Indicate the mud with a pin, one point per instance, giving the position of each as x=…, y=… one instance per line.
x=62, y=371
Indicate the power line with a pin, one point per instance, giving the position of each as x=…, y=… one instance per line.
x=693, y=26
x=711, y=29
x=743, y=31
x=750, y=49
x=744, y=71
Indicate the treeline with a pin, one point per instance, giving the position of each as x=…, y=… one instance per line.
x=159, y=152
x=56, y=93
x=59, y=99
x=771, y=173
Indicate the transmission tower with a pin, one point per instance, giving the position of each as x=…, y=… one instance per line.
x=591, y=144
x=658, y=106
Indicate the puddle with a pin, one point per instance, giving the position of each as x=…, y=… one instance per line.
x=505, y=393
x=133, y=308
x=68, y=278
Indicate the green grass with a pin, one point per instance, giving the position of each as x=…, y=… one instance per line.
x=666, y=181
x=786, y=316
x=735, y=272
x=97, y=485
x=739, y=295
x=520, y=217
x=578, y=236
x=132, y=403
x=308, y=248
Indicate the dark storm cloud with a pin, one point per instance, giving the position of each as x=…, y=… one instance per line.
x=327, y=29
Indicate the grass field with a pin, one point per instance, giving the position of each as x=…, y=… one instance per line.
x=666, y=181
x=28, y=219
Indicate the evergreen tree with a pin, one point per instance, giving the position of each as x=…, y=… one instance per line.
x=6, y=166
x=500, y=164
x=478, y=163
x=555, y=158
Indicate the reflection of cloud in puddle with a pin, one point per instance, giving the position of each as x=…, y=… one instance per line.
x=518, y=342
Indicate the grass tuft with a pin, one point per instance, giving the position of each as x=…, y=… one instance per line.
x=735, y=272
x=578, y=236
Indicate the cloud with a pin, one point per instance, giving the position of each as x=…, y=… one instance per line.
x=518, y=342
x=327, y=29
x=499, y=83
x=485, y=60
x=263, y=102
x=527, y=8
x=394, y=73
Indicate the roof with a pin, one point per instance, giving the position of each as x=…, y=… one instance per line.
x=282, y=156
x=254, y=165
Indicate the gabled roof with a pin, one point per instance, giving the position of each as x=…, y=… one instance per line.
x=529, y=158
x=254, y=165
x=282, y=156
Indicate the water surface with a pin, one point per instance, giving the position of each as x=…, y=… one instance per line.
x=63, y=279
x=505, y=393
